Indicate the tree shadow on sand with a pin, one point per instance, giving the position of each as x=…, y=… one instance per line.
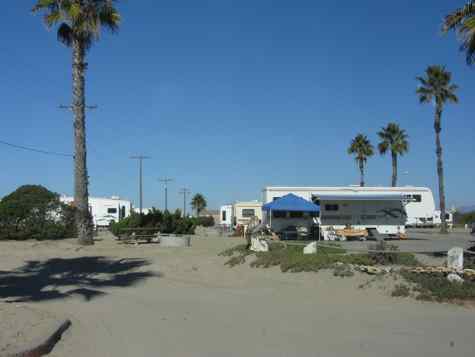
x=61, y=278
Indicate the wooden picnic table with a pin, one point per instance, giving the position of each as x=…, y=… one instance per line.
x=139, y=233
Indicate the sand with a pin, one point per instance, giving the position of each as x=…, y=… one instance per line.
x=126, y=300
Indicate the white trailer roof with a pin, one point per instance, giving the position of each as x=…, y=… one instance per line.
x=361, y=196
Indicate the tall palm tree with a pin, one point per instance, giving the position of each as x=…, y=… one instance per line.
x=393, y=139
x=198, y=202
x=436, y=87
x=362, y=149
x=79, y=26
x=463, y=21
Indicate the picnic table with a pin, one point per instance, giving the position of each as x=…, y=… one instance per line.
x=138, y=234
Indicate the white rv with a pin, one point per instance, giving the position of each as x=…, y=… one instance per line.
x=226, y=215
x=420, y=205
x=240, y=213
x=378, y=213
x=105, y=210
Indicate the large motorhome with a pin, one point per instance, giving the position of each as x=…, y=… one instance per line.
x=419, y=201
x=105, y=210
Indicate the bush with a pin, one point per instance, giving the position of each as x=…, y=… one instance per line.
x=388, y=254
x=34, y=212
x=165, y=222
x=401, y=290
x=292, y=259
x=438, y=288
x=205, y=221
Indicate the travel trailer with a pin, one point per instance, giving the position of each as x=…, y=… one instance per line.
x=240, y=213
x=377, y=213
x=244, y=212
x=419, y=201
x=226, y=215
x=105, y=210
x=359, y=213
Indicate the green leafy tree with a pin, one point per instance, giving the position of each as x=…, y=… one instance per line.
x=394, y=140
x=463, y=21
x=198, y=202
x=34, y=212
x=79, y=25
x=362, y=149
x=436, y=87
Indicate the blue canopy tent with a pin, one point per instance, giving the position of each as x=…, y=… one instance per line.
x=290, y=203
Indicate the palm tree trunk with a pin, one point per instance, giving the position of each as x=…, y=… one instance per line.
x=394, y=177
x=440, y=167
x=361, y=163
x=81, y=195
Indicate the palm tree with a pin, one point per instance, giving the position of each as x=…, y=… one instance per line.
x=198, y=202
x=362, y=148
x=79, y=26
x=436, y=87
x=393, y=139
x=463, y=21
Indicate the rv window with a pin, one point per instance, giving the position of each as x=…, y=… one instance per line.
x=417, y=198
x=447, y=216
x=247, y=212
x=224, y=216
x=331, y=207
x=275, y=198
x=112, y=210
x=279, y=214
x=296, y=214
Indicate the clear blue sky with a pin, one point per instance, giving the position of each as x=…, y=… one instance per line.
x=228, y=96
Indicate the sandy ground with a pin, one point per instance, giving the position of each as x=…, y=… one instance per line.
x=151, y=301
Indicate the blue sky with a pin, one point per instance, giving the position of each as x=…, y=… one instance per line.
x=228, y=96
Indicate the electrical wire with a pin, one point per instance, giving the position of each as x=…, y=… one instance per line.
x=46, y=152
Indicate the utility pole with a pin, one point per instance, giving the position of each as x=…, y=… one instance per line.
x=70, y=107
x=184, y=192
x=140, y=158
x=165, y=181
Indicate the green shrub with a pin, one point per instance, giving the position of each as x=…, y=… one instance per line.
x=205, y=221
x=343, y=271
x=34, y=212
x=388, y=254
x=438, y=288
x=292, y=259
x=165, y=222
x=401, y=290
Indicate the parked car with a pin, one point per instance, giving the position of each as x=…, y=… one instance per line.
x=472, y=231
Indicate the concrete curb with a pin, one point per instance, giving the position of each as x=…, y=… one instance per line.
x=46, y=346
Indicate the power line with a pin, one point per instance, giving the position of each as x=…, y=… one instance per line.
x=46, y=152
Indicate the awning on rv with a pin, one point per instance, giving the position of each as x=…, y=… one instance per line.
x=291, y=203
x=361, y=196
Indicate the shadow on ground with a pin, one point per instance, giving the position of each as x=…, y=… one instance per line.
x=61, y=278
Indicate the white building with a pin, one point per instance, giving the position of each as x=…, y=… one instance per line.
x=420, y=205
x=105, y=210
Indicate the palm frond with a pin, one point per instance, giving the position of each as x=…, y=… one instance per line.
x=83, y=19
x=463, y=21
x=65, y=35
x=436, y=84
x=456, y=18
